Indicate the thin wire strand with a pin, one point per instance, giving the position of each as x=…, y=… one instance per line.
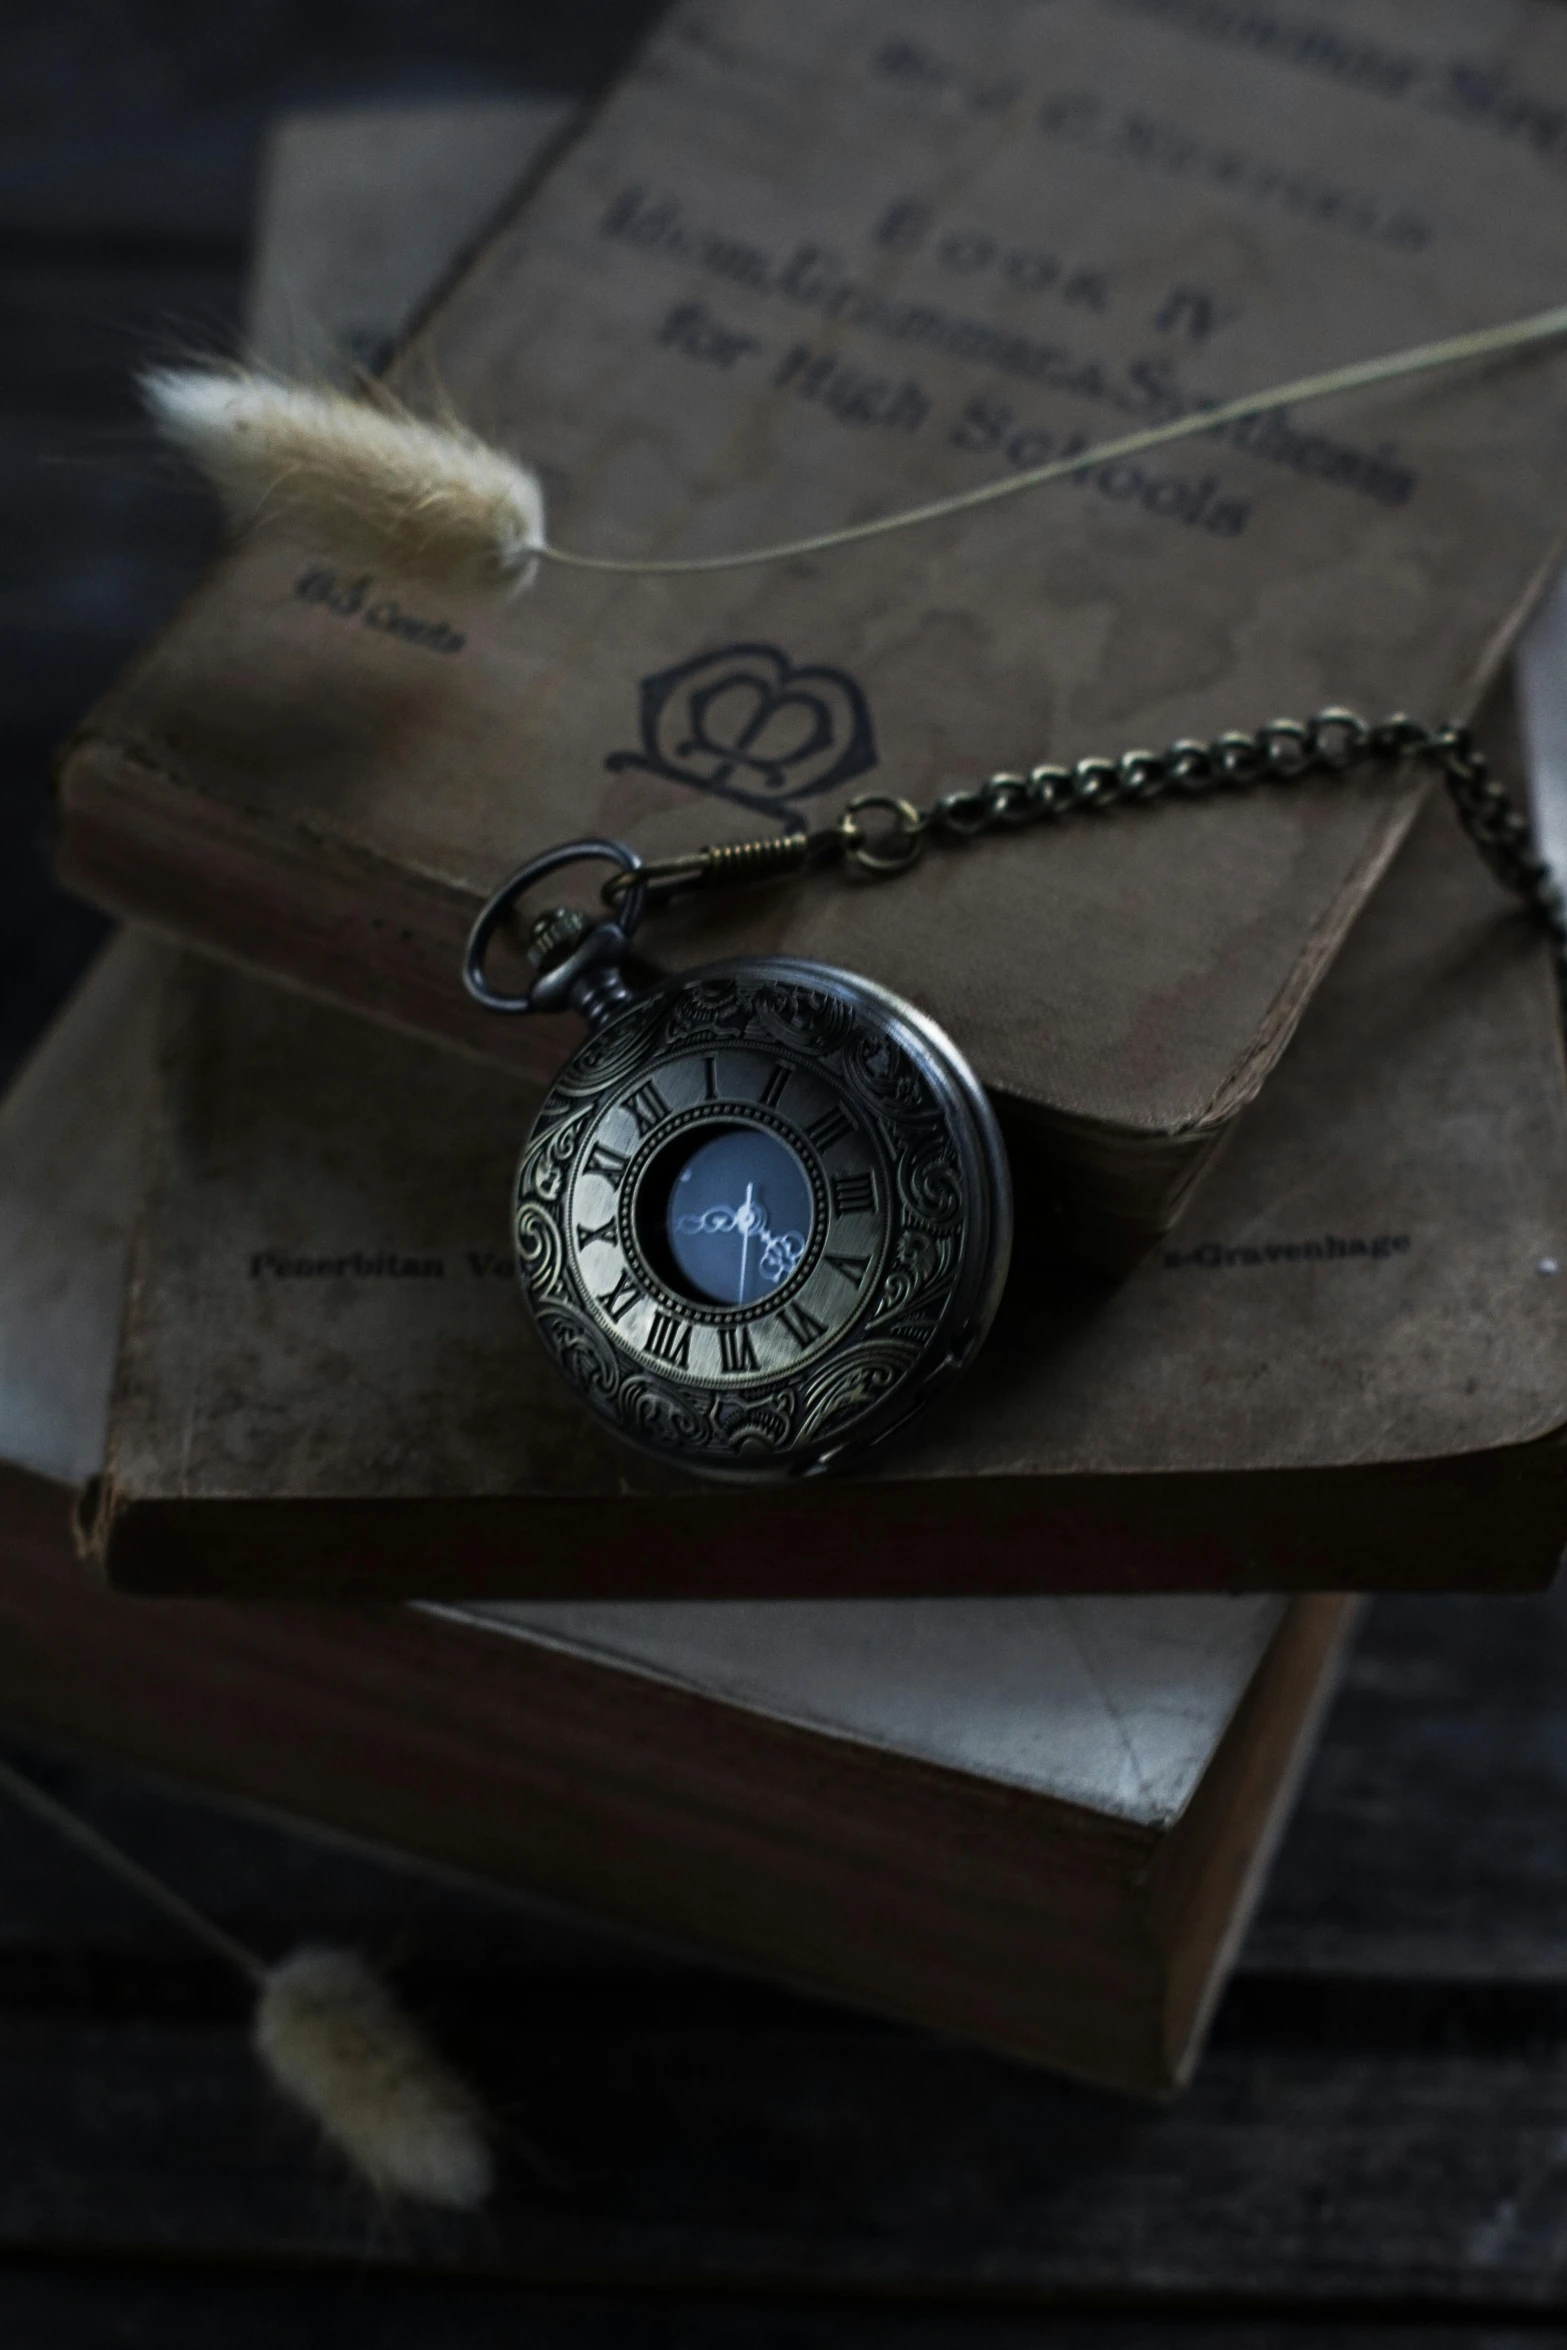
x=31, y=1797
x=1483, y=343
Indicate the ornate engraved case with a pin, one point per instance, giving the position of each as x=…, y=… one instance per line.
x=763, y=1215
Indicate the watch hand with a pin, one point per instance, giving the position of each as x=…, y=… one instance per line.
x=745, y=1217
x=780, y=1251
x=713, y=1220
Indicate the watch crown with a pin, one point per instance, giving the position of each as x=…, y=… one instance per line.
x=554, y=936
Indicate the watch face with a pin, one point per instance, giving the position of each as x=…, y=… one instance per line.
x=762, y=1215
x=737, y=1217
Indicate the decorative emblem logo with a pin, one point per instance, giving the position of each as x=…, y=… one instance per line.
x=745, y=724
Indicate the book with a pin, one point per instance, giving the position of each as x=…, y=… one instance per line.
x=1362, y=1346
x=365, y=211
x=802, y=266
x=327, y=1384
x=1039, y=1824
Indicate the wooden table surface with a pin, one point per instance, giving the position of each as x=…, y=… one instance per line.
x=1375, y=2150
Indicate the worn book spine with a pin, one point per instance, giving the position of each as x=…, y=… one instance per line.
x=1089, y=1944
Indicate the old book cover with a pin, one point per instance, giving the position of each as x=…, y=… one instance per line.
x=365, y=211
x=1358, y=1354
x=1036, y=1823
x=809, y=263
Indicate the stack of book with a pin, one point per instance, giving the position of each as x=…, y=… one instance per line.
x=997, y=1734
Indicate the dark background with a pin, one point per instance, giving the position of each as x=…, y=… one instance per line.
x=129, y=143
x=1376, y=2148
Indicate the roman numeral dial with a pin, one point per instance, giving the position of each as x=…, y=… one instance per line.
x=621, y=1298
x=801, y=1324
x=853, y=1195
x=850, y=1269
x=647, y=1108
x=723, y=1213
x=736, y=1347
x=829, y=1128
x=612, y=1165
x=669, y=1340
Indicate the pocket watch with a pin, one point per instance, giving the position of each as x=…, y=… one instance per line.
x=764, y=1214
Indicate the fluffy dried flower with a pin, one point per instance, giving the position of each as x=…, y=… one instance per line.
x=336, y=2041
x=430, y=501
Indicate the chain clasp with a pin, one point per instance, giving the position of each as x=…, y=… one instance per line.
x=895, y=848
